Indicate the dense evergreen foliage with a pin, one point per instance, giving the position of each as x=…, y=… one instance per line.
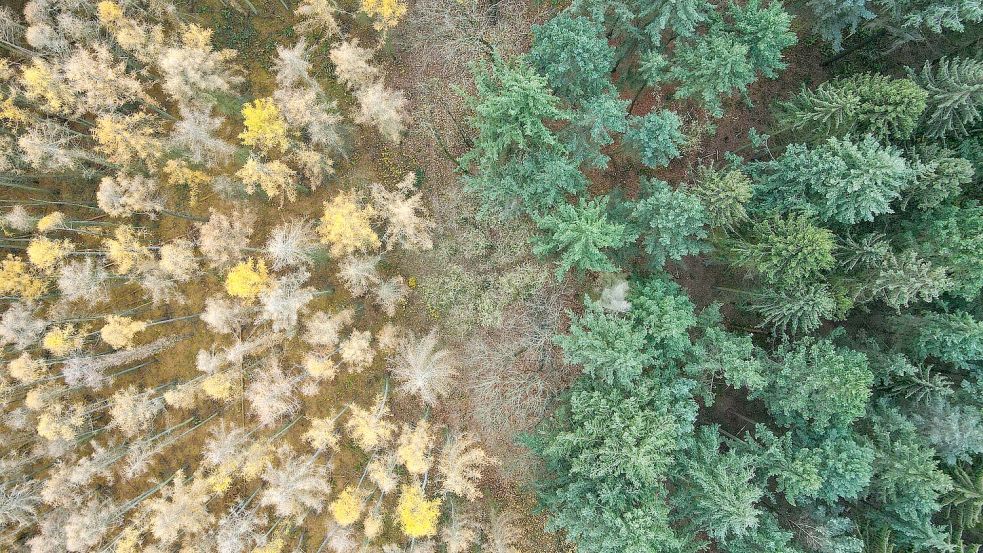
x=833, y=405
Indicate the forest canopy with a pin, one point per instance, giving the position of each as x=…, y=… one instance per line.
x=450, y=276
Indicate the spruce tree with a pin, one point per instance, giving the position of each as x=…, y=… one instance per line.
x=787, y=251
x=610, y=346
x=716, y=491
x=732, y=357
x=840, y=180
x=514, y=145
x=582, y=236
x=793, y=310
x=765, y=31
x=574, y=56
x=512, y=105
x=950, y=236
x=724, y=195
x=711, y=66
x=940, y=177
x=670, y=222
x=955, y=95
x=817, y=385
x=537, y=182
x=865, y=103
x=839, y=19
x=607, y=456
x=955, y=338
x=907, y=485
x=661, y=307
x=656, y=137
x=592, y=126
x=809, y=466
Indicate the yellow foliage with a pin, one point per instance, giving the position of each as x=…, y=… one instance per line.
x=347, y=508
x=25, y=368
x=60, y=422
x=257, y=456
x=265, y=127
x=274, y=178
x=275, y=545
x=219, y=386
x=346, y=227
x=124, y=139
x=40, y=86
x=199, y=38
x=62, y=340
x=220, y=480
x=320, y=367
x=369, y=428
x=417, y=515
x=45, y=253
x=248, y=279
x=125, y=250
x=37, y=397
x=179, y=174
x=386, y=13
x=14, y=115
x=53, y=220
x=17, y=279
x=415, y=443
x=118, y=331
x=129, y=538
x=109, y=12
x=322, y=434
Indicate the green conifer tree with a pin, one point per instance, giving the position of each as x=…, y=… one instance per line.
x=765, y=31
x=656, y=137
x=711, y=66
x=610, y=346
x=955, y=95
x=582, y=236
x=795, y=310
x=817, y=385
x=838, y=19
x=607, y=456
x=724, y=195
x=839, y=180
x=670, y=222
x=574, y=56
x=865, y=103
x=716, y=492
x=788, y=251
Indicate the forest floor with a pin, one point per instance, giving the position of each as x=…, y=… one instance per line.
x=370, y=159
